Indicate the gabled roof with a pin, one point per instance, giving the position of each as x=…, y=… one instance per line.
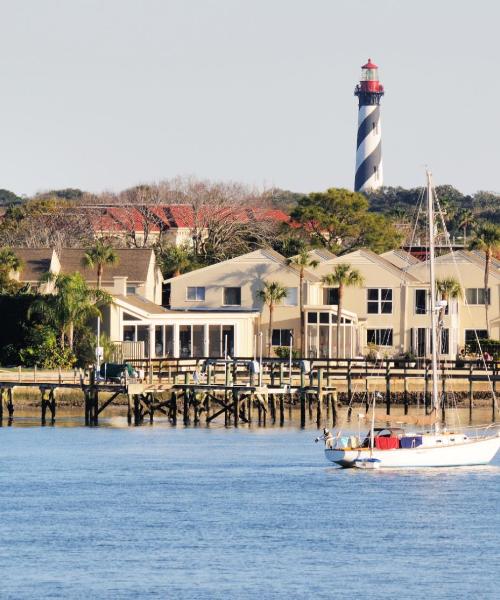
x=374, y=258
x=400, y=258
x=461, y=256
x=36, y=262
x=132, y=263
x=249, y=257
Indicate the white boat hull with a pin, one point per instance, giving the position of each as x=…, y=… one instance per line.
x=472, y=452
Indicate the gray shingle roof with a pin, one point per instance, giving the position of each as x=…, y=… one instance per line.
x=132, y=263
x=36, y=262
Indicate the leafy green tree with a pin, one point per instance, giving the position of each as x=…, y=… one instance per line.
x=43, y=350
x=7, y=197
x=340, y=220
x=9, y=263
x=466, y=218
x=302, y=262
x=175, y=260
x=98, y=256
x=271, y=294
x=487, y=240
x=73, y=304
x=343, y=276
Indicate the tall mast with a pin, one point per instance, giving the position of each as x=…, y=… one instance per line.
x=432, y=276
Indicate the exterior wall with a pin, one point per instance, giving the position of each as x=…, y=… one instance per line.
x=470, y=272
x=376, y=274
x=248, y=272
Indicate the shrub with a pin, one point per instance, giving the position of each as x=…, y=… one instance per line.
x=44, y=350
x=284, y=352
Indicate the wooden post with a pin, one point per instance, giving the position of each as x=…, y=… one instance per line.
x=349, y=390
x=137, y=409
x=44, y=407
x=130, y=409
x=10, y=404
x=282, y=409
x=236, y=407
x=2, y=391
x=249, y=407
x=173, y=408
x=334, y=398
x=471, y=393
x=405, y=388
x=426, y=387
x=281, y=373
x=52, y=405
x=151, y=409
x=387, y=387
x=185, y=407
x=319, y=397
x=272, y=403
x=443, y=394
x=302, y=399
x=34, y=374
x=19, y=376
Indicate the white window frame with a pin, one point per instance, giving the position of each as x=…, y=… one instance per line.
x=286, y=301
x=477, y=290
x=230, y=287
x=379, y=301
x=196, y=288
x=281, y=329
x=379, y=337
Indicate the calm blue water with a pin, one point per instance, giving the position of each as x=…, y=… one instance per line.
x=157, y=512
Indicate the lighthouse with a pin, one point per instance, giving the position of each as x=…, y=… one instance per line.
x=369, y=174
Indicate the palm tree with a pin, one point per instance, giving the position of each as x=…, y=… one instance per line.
x=9, y=261
x=449, y=289
x=302, y=262
x=343, y=276
x=487, y=240
x=176, y=260
x=466, y=219
x=271, y=294
x=73, y=304
x=99, y=255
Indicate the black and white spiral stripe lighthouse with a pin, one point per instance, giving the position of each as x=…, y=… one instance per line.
x=369, y=174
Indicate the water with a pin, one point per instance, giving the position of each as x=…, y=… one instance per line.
x=158, y=512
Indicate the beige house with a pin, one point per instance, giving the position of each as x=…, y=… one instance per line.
x=216, y=311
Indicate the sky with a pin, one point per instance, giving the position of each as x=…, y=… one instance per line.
x=106, y=94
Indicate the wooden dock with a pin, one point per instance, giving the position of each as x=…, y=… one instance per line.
x=202, y=390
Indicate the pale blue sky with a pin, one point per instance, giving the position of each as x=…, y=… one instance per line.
x=104, y=94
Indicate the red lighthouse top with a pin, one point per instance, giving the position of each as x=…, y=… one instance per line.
x=369, y=78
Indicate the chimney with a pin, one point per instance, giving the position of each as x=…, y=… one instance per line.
x=120, y=285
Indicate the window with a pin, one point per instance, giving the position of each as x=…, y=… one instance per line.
x=444, y=345
x=130, y=289
x=232, y=296
x=470, y=335
x=331, y=296
x=281, y=337
x=291, y=297
x=379, y=337
x=477, y=296
x=195, y=294
x=379, y=301
x=129, y=317
x=420, y=302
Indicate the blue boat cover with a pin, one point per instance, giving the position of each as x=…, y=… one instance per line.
x=411, y=441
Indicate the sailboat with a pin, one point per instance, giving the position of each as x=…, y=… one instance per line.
x=394, y=447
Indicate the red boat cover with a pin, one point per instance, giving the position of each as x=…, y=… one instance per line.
x=386, y=443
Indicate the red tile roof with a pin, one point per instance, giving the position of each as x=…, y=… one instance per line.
x=175, y=216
